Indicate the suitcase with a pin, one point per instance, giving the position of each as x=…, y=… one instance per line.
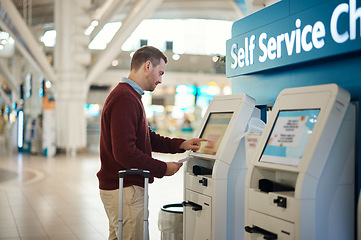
x=146, y=174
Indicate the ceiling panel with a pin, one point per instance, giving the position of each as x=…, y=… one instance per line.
x=42, y=11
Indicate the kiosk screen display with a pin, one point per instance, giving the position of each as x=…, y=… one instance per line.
x=213, y=131
x=289, y=136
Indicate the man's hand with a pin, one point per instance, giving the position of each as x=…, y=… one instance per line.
x=192, y=144
x=172, y=168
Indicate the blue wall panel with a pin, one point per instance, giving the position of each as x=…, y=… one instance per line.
x=266, y=85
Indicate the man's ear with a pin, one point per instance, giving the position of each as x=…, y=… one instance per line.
x=147, y=66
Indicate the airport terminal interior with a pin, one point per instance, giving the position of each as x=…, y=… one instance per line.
x=57, y=196
x=59, y=60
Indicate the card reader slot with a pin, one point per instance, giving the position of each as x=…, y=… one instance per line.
x=266, y=185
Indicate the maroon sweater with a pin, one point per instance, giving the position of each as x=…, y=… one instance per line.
x=126, y=140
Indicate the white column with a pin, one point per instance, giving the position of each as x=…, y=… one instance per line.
x=36, y=102
x=70, y=58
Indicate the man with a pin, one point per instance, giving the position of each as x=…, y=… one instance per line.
x=126, y=142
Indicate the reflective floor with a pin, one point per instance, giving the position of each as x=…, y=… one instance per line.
x=58, y=198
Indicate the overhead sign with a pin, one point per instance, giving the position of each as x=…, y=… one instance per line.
x=327, y=29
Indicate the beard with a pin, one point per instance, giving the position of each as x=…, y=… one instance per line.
x=150, y=86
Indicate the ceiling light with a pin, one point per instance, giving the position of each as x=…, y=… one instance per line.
x=215, y=58
x=115, y=63
x=176, y=57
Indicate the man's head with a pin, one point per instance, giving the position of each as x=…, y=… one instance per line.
x=144, y=54
x=147, y=67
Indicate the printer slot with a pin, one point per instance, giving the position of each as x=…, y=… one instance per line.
x=197, y=166
x=263, y=226
x=273, y=180
x=195, y=206
x=266, y=185
x=266, y=234
x=199, y=170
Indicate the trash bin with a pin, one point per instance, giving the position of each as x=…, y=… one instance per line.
x=170, y=222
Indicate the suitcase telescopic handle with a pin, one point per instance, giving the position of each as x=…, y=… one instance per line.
x=145, y=173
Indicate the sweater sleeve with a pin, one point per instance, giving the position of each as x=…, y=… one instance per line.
x=165, y=144
x=130, y=138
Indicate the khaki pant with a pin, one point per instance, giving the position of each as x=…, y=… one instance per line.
x=133, y=209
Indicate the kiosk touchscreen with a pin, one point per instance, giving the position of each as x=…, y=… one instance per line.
x=214, y=130
x=289, y=136
x=301, y=181
x=210, y=170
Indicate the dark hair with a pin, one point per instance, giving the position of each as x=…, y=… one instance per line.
x=144, y=54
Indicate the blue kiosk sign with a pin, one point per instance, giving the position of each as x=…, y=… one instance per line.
x=293, y=35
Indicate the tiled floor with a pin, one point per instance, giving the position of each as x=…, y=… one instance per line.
x=58, y=198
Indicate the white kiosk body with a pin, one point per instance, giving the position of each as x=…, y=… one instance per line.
x=301, y=181
x=212, y=173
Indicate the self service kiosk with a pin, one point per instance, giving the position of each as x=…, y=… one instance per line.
x=211, y=179
x=301, y=181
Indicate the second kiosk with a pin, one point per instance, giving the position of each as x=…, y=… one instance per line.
x=301, y=181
